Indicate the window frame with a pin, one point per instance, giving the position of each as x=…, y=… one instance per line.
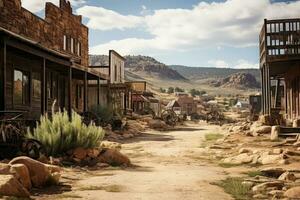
x=25, y=97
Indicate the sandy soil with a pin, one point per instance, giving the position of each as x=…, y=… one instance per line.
x=168, y=167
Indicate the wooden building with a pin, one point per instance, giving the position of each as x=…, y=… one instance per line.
x=116, y=90
x=43, y=60
x=280, y=67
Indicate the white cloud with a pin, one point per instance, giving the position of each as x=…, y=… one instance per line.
x=39, y=5
x=232, y=23
x=240, y=64
x=104, y=19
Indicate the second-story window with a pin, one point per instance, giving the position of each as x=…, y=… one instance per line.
x=65, y=43
x=79, y=49
x=72, y=45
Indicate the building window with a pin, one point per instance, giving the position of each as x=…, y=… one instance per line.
x=21, y=88
x=36, y=85
x=116, y=73
x=65, y=43
x=79, y=49
x=72, y=45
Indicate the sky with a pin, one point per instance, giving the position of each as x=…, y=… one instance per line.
x=197, y=33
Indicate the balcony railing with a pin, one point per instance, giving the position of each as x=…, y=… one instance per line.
x=279, y=40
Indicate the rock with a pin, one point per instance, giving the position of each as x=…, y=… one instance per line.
x=10, y=186
x=157, y=124
x=277, y=151
x=38, y=171
x=111, y=145
x=263, y=186
x=80, y=153
x=297, y=144
x=275, y=133
x=93, y=153
x=273, y=171
x=244, y=150
x=277, y=193
x=287, y=176
x=263, y=129
x=292, y=153
x=239, y=159
x=270, y=159
x=4, y=168
x=293, y=193
x=22, y=174
x=114, y=158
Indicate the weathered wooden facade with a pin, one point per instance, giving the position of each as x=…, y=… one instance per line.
x=118, y=93
x=43, y=60
x=280, y=67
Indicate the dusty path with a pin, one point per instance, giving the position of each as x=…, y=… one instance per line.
x=169, y=168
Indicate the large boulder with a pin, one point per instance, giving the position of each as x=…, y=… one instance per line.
x=266, y=159
x=39, y=173
x=10, y=186
x=243, y=158
x=22, y=174
x=288, y=176
x=293, y=193
x=114, y=158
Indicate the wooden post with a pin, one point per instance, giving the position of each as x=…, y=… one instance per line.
x=98, y=91
x=3, y=76
x=85, y=93
x=277, y=93
x=70, y=93
x=43, y=89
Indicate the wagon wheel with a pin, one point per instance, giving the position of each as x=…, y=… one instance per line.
x=33, y=148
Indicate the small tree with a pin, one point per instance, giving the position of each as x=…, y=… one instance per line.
x=177, y=89
x=170, y=90
x=162, y=90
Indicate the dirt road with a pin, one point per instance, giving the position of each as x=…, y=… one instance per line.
x=168, y=168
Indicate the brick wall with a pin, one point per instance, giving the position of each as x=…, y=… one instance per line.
x=50, y=32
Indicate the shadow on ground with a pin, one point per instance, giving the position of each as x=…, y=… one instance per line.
x=150, y=137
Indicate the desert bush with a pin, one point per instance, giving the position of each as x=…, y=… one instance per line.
x=59, y=133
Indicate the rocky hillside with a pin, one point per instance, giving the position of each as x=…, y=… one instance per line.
x=139, y=66
x=238, y=80
x=211, y=73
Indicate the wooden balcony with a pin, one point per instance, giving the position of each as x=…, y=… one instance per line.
x=279, y=40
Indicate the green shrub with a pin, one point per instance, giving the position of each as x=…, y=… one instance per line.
x=234, y=187
x=60, y=134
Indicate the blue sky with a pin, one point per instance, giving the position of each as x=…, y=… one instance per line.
x=214, y=33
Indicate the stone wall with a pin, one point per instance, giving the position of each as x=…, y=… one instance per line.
x=50, y=32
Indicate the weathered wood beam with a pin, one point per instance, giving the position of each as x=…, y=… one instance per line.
x=3, y=55
x=70, y=93
x=98, y=91
x=43, y=88
x=85, y=93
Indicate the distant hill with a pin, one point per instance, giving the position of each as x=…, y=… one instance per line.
x=212, y=73
x=239, y=81
x=139, y=66
x=159, y=75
